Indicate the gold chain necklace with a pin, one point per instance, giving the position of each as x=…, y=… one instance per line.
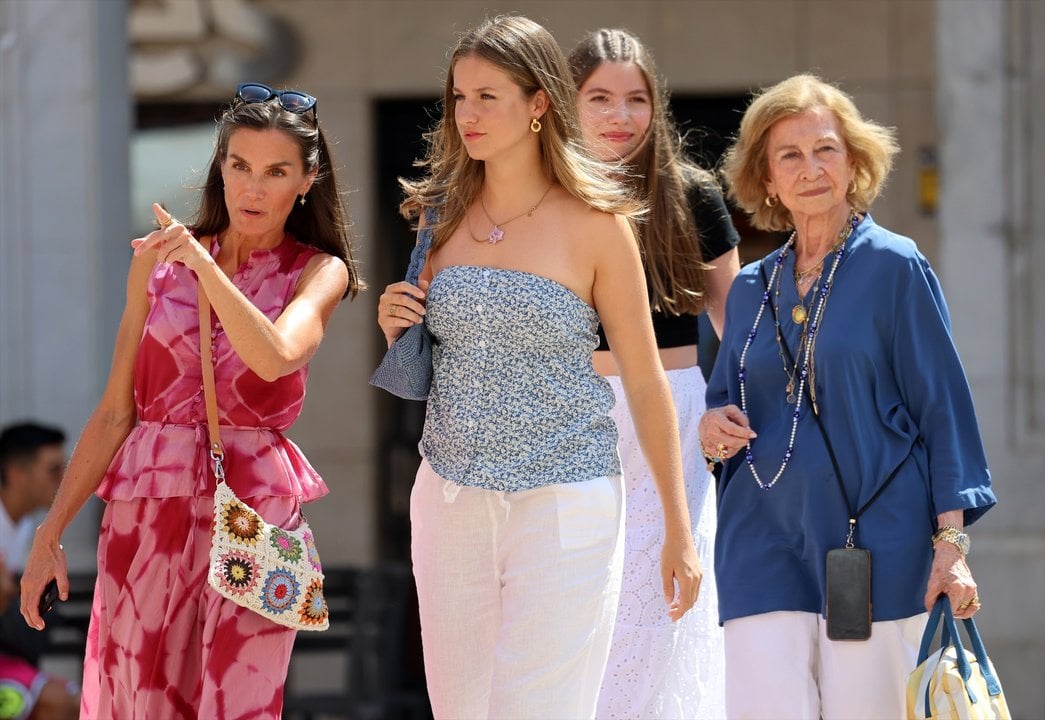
x=799, y=313
x=496, y=233
x=801, y=275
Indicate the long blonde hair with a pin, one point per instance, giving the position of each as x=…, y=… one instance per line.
x=660, y=173
x=532, y=59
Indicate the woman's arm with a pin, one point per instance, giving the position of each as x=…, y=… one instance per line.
x=718, y=248
x=950, y=574
x=936, y=393
x=717, y=281
x=274, y=349
x=620, y=296
x=270, y=349
x=402, y=304
x=106, y=429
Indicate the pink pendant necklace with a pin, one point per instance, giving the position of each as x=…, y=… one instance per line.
x=496, y=234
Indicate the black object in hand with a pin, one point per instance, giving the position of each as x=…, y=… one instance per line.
x=49, y=597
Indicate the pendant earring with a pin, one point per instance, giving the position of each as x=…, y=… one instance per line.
x=770, y=201
x=301, y=200
x=535, y=125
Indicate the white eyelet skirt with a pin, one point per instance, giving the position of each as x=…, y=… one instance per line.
x=660, y=669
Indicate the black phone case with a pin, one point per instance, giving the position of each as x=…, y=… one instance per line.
x=848, y=594
x=48, y=597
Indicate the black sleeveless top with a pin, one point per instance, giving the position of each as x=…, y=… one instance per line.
x=717, y=237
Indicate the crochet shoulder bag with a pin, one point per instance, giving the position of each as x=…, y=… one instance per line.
x=259, y=566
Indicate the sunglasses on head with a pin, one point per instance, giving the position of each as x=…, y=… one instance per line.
x=293, y=101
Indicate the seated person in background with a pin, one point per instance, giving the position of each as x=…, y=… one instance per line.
x=32, y=458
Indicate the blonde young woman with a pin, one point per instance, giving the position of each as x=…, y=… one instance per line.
x=517, y=508
x=659, y=668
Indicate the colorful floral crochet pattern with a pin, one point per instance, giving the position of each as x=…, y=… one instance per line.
x=280, y=591
x=313, y=553
x=241, y=523
x=239, y=572
x=286, y=545
x=314, y=610
x=270, y=570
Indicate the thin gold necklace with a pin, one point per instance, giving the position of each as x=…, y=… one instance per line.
x=497, y=233
x=799, y=313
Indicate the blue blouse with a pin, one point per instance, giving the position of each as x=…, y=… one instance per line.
x=515, y=403
x=892, y=393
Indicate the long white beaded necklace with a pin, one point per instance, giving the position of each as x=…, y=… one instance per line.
x=805, y=350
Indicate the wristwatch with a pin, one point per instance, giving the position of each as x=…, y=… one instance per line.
x=954, y=536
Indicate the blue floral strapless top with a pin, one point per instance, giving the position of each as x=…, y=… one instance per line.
x=515, y=403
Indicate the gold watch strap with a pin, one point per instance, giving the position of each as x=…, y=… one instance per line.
x=955, y=536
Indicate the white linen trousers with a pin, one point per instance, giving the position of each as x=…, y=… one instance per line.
x=659, y=668
x=517, y=594
x=782, y=665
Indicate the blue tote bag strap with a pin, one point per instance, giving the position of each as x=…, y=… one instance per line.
x=949, y=636
x=420, y=251
x=980, y=651
x=951, y=628
x=930, y=630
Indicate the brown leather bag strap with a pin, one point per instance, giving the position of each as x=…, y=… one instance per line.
x=217, y=450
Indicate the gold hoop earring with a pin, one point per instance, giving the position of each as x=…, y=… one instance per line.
x=852, y=187
x=770, y=201
x=535, y=125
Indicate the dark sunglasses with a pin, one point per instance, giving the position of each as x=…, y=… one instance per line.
x=293, y=101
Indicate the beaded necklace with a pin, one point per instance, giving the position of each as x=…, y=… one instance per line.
x=806, y=344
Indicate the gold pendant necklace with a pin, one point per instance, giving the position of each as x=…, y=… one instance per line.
x=799, y=314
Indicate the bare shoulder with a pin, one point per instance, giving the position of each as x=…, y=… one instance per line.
x=325, y=271
x=141, y=269
x=593, y=226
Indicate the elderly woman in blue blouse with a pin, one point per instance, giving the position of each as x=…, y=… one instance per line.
x=842, y=413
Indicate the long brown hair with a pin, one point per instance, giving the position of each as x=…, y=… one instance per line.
x=658, y=172
x=533, y=60
x=322, y=221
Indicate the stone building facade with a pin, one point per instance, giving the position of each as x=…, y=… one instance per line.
x=960, y=79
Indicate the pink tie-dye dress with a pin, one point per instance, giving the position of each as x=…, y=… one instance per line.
x=162, y=643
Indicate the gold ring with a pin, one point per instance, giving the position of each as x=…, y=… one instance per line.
x=975, y=602
x=721, y=449
x=392, y=310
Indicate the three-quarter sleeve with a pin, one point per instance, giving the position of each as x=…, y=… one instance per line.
x=936, y=394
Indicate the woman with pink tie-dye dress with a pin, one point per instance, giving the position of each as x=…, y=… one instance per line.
x=270, y=248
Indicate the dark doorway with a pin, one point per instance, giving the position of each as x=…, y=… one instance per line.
x=400, y=125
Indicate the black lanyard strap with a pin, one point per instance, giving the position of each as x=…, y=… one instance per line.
x=853, y=516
